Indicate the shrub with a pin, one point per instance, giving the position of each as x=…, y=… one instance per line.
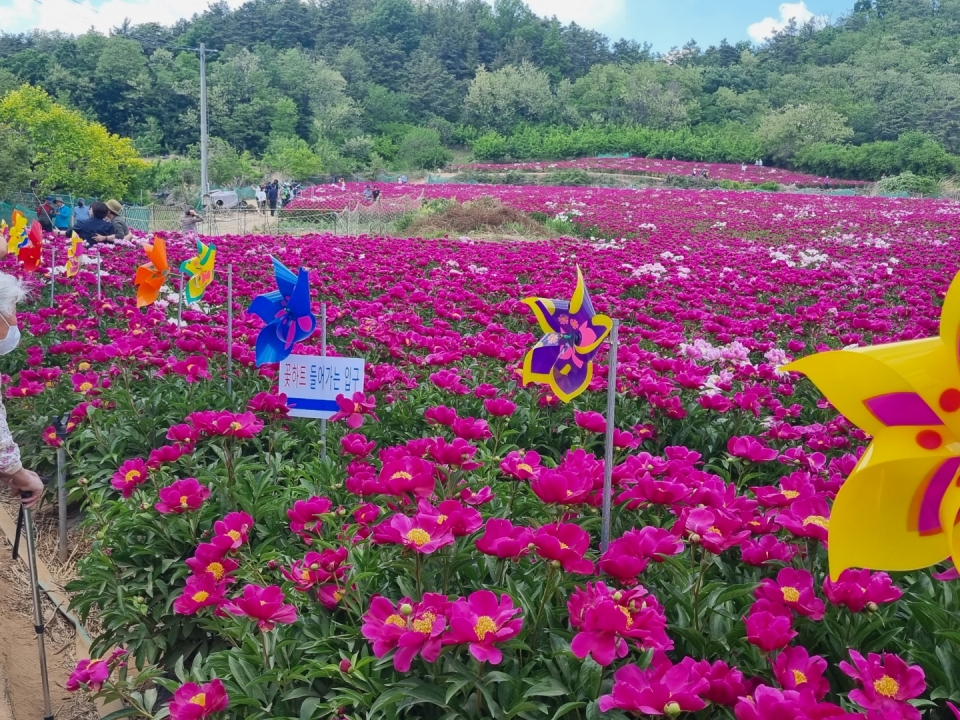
x=421, y=149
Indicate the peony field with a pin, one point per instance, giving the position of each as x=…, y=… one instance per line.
x=433, y=551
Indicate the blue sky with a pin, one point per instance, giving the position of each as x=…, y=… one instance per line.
x=664, y=23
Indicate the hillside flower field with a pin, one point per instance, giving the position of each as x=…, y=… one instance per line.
x=441, y=559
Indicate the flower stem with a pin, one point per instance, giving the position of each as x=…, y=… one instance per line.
x=266, y=655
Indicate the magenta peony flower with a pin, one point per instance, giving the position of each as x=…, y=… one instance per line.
x=661, y=689
x=273, y=406
x=236, y=425
x=408, y=476
x=440, y=415
x=767, y=703
x=766, y=549
x=521, y=466
x=212, y=559
x=499, y=407
x=317, y=568
x=423, y=534
x=504, y=540
x=131, y=475
x=565, y=545
x=769, y=626
x=456, y=454
x=352, y=410
x=264, y=605
x=629, y=554
x=475, y=499
x=306, y=517
x=452, y=516
x=233, y=531
x=809, y=518
x=195, y=702
x=482, y=621
x=590, y=421
x=715, y=530
x=750, y=449
x=886, y=684
x=409, y=627
x=562, y=488
x=471, y=429
x=726, y=684
x=88, y=674
x=793, y=588
x=795, y=669
x=860, y=589
x=181, y=496
x=201, y=591
x=192, y=369
x=357, y=445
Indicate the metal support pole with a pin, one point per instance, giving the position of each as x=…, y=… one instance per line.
x=99, y=289
x=323, y=353
x=608, y=444
x=180, y=305
x=230, y=329
x=27, y=516
x=204, y=180
x=53, y=269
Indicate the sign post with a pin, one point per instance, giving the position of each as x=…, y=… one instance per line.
x=323, y=353
x=312, y=383
x=230, y=330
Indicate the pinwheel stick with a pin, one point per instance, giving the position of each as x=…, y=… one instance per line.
x=608, y=446
x=99, y=291
x=230, y=329
x=53, y=269
x=323, y=353
x=180, y=304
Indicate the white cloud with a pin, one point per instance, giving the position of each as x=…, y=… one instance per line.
x=76, y=17
x=798, y=11
x=586, y=13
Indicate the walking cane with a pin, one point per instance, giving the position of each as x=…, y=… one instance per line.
x=25, y=519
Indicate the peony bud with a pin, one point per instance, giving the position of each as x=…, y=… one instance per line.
x=406, y=609
x=871, y=607
x=672, y=709
x=345, y=665
x=694, y=539
x=272, y=564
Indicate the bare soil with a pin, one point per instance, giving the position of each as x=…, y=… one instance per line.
x=484, y=215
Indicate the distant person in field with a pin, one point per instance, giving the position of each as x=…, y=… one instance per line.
x=81, y=211
x=343, y=185
x=120, y=227
x=368, y=193
x=190, y=220
x=45, y=213
x=376, y=194
x=826, y=183
x=261, y=199
x=743, y=167
x=695, y=172
x=96, y=228
x=704, y=174
x=61, y=218
x=273, y=192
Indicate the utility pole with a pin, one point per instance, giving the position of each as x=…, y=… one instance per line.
x=204, y=150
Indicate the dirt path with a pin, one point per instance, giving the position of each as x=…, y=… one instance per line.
x=19, y=657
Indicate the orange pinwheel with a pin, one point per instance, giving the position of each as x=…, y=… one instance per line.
x=30, y=251
x=150, y=277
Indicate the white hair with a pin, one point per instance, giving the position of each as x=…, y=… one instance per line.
x=12, y=291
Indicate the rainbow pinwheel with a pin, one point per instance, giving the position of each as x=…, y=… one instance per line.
x=74, y=254
x=286, y=311
x=200, y=271
x=899, y=508
x=151, y=276
x=30, y=250
x=563, y=357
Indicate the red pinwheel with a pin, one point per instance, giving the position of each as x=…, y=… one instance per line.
x=31, y=249
x=286, y=311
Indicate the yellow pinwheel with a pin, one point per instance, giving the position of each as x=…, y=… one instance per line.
x=74, y=253
x=899, y=508
x=200, y=271
x=17, y=232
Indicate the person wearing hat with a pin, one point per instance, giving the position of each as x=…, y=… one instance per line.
x=61, y=219
x=96, y=228
x=120, y=227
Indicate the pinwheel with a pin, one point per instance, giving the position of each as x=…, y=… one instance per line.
x=151, y=276
x=74, y=254
x=16, y=236
x=286, y=311
x=898, y=509
x=200, y=271
x=31, y=248
x=574, y=331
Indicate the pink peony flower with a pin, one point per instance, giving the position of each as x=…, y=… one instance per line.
x=440, y=415
x=504, y=540
x=795, y=669
x=212, y=559
x=860, y=589
x=809, y=518
x=195, y=702
x=750, y=449
x=409, y=476
x=661, y=689
x=264, y=605
x=565, y=545
x=423, y=534
x=793, y=588
x=521, y=466
x=499, y=407
x=562, y=488
x=181, y=496
x=233, y=531
x=886, y=684
x=409, y=627
x=769, y=626
x=483, y=622
x=352, y=410
x=766, y=549
x=357, y=445
x=306, y=517
x=201, y=591
x=590, y=421
x=131, y=475
x=629, y=554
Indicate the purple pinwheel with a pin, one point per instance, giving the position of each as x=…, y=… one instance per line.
x=286, y=311
x=574, y=332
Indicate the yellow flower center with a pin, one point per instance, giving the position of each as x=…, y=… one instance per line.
x=395, y=620
x=418, y=536
x=337, y=595
x=132, y=476
x=790, y=494
x=201, y=596
x=441, y=519
x=424, y=624
x=356, y=407
x=71, y=327
x=818, y=520
x=791, y=594
x=485, y=624
x=235, y=426
x=217, y=570
x=564, y=546
x=799, y=678
x=183, y=501
x=401, y=475
x=304, y=575
x=85, y=386
x=569, y=493
x=714, y=529
x=234, y=535
x=83, y=367
x=887, y=686
x=200, y=699
x=627, y=615
x=524, y=466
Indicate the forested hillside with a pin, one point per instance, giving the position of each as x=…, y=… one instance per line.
x=335, y=85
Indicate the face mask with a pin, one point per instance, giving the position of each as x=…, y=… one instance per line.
x=10, y=342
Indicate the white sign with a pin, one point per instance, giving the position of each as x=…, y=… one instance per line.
x=312, y=383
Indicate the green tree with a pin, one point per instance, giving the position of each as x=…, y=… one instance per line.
x=227, y=167
x=431, y=89
x=68, y=152
x=15, y=158
x=421, y=149
x=498, y=100
x=782, y=133
x=291, y=157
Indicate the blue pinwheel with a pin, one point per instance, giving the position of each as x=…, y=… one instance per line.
x=286, y=311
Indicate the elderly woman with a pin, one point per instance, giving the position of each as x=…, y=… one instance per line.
x=12, y=473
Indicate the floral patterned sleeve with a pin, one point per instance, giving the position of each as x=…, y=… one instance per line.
x=9, y=452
